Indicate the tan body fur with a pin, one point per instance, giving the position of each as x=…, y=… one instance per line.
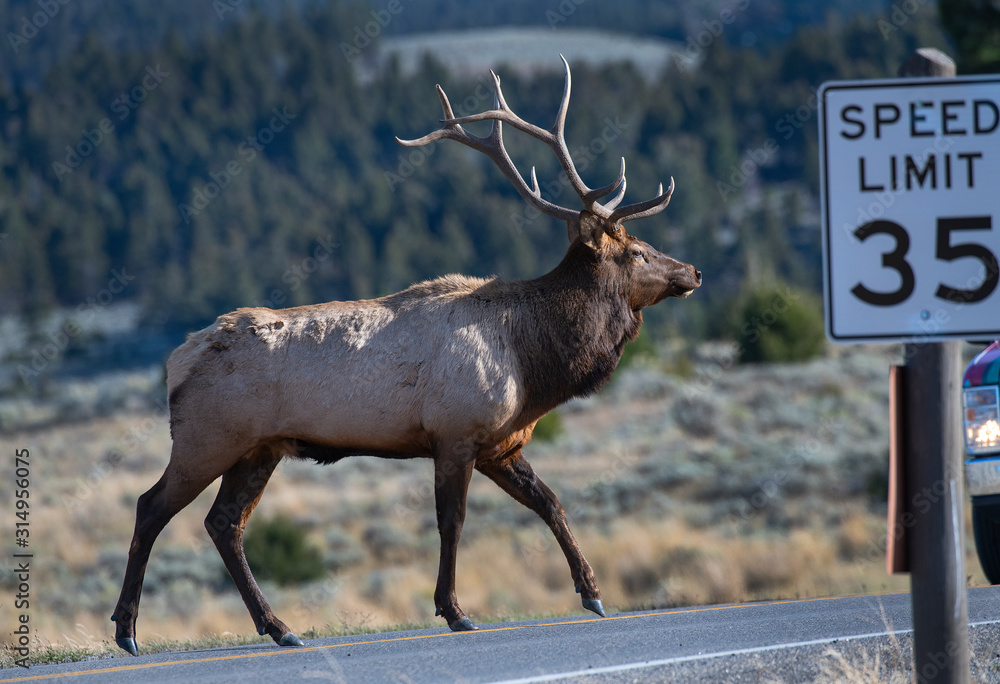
x=390, y=376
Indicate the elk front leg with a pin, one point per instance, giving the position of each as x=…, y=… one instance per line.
x=514, y=475
x=451, y=486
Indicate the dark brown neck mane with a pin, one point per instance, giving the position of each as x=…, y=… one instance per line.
x=571, y=331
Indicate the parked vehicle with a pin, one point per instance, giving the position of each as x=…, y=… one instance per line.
x=981, y=426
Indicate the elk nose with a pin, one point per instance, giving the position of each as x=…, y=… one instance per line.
x=697, y=275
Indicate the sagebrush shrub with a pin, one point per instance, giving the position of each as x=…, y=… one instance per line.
x=776, y=323
x=277, y=550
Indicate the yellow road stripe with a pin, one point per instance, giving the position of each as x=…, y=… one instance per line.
x=289, y=651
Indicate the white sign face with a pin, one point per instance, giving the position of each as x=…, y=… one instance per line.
x=910, y=193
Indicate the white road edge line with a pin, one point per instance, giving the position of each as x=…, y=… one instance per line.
x=707, y=656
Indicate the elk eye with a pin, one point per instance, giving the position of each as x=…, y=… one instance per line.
x=638, y=254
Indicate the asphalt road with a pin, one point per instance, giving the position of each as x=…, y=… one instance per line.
x=775, y=641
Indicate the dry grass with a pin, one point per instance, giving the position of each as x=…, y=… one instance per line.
x=888, y=664
x=862, y=667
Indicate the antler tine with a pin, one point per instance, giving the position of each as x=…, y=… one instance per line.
x=438, y=134
x=492, y=147
x=534, y=182
x=502, y=112
x=498, y=153
x=597, y=193
x=558, y=131
x=554, y=138
x=646, y=208
x=445, y=104
x=499, y=103
x=614, y=201
x=559, y=126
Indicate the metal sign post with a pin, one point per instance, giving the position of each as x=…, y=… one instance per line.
x=932, y=445
x=935, y=500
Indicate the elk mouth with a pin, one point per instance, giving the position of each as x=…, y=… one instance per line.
x=678, y=290
x=671, y=290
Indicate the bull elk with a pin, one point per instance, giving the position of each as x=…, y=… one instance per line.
x=456, y=369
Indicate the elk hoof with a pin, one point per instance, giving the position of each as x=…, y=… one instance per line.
x=127, y=644
x=595, y=606
x=463, y=625
x=290, y=640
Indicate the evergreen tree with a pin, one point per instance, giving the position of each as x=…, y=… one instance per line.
x=974, y=25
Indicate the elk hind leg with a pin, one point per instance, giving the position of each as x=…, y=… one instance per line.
x=515, y=476
x=242, y=486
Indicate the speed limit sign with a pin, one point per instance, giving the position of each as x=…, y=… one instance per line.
x=910, y=199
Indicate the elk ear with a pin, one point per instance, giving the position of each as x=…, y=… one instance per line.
x=588, y=228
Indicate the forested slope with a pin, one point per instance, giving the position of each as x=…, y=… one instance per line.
x=245, y=163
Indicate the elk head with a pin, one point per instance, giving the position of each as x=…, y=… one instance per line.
x=646, y=275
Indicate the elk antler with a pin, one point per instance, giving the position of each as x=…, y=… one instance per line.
x=492, y=146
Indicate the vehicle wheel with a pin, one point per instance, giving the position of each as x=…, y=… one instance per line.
x=986, y=528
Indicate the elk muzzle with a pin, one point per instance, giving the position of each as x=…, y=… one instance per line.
x=687, y=282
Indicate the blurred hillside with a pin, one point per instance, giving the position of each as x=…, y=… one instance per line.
x=188, y=159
